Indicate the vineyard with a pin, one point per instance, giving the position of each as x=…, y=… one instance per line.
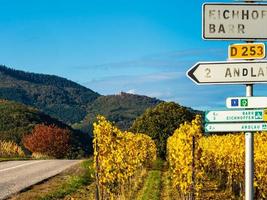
x=192, y=158
x=119, y=157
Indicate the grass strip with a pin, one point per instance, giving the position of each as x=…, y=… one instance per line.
x=73, y=183
x=152, y=187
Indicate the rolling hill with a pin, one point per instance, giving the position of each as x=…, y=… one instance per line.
x=56, y=96
x=68, y=101
x=31, y=99
x=19, y=119
x=122, y=109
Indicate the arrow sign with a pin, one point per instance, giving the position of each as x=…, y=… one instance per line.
x=228, y=72
x=246, y=102
x=236, y=116
x=235, y=127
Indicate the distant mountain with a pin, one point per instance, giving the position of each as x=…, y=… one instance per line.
x=121, y=109
x=56, y=96
x=51, y=99
x=70, y=102
x=18, y=119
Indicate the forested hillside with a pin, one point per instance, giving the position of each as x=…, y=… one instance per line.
x=68, y=101
x=56, y=96
x=122, y=109
x=18, y=120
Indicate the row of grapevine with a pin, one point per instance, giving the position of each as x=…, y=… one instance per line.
x=118, y=157
x=225, y=156
x=183, y=155
x=192, y=156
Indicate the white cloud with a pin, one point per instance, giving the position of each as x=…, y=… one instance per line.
x=132, y=91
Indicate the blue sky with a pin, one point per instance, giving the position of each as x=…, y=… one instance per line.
x=137, y=46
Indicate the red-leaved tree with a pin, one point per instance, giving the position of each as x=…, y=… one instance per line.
x=49, y=140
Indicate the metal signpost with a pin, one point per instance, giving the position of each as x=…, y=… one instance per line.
x=246, y=102
x=249, y=156
x=237, y=21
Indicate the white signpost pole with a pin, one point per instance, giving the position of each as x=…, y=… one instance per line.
x=249, y=151
x=249, y=158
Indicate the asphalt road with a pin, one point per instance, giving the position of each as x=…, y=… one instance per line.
x=18, y=175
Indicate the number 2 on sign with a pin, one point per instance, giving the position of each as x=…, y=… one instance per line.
x=207, y=73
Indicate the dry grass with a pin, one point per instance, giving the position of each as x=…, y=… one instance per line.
x=36, y=155
x=60, y=186
x=10, y=149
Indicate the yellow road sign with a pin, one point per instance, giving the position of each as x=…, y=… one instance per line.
x=265, y=115
x=246, y=51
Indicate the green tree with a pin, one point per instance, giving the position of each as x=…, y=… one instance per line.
x=161, y=121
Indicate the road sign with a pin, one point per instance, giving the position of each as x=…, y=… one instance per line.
x=246, y=102
x=236, y=116
x=226, y=21
x=247, y=72
x=235, y=127
x=246, y=51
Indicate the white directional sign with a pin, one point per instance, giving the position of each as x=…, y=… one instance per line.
x=235, y=127
x=234, y=21
x=247, y=72
x=236, y=116
x=246, y=102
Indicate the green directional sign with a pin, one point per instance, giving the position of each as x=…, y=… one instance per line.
x=258, y=115
x=235, y=127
